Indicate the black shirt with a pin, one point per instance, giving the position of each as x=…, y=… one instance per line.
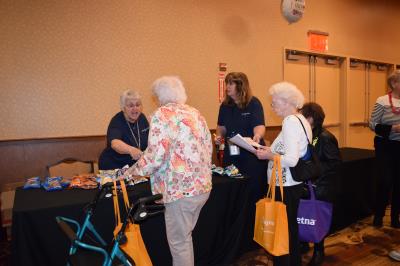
x=119, y=129
x=327, y=149
x=241, y=121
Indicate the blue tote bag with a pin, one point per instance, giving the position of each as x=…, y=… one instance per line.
x=314, y=218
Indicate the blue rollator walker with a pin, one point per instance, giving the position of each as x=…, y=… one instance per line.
x=80, y=231
x=138, y=212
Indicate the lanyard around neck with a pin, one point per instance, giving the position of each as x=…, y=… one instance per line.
x=395, y=110
x=133, y=135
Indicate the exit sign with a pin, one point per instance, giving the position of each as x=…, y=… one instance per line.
x=318, y=41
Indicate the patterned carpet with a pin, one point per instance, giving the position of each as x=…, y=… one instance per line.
x=359, y=244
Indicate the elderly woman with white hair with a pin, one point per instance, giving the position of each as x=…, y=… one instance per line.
x=291, y=145
x=127, y=133
x=178, y=161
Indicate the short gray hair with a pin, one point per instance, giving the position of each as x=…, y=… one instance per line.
x=169, y=89
x=289, y=92
x=128, y=95
x=393, y=77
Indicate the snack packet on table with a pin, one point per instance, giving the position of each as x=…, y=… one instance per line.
x=217, y=170
x=52, y=183
x=133, y=180
x=33, y=182
x=120, y=172
x=65, y=181
x=85, y=181
x=232, y=171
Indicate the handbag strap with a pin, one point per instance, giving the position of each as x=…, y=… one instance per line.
x=271, y=185
x=311, y=189
x=117, y=213
x=305, y=132
x=276, y=170
x=124, y=194
x=278, y=160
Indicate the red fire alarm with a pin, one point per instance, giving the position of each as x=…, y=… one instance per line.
x=221, y=81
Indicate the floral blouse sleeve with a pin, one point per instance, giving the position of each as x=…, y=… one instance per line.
x=157, y=148
x=178, y=155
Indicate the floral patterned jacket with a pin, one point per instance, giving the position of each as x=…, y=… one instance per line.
x=178, y=155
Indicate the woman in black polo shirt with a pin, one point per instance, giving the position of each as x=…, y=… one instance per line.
x=126, y=135
x=241, y=113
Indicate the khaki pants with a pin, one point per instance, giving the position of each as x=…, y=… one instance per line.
x=180, y=219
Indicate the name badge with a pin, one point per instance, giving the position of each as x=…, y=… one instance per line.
x=234, y=150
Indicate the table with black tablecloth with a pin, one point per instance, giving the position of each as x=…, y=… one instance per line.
x=223, y=230
x=355, y=185
x=221, y=234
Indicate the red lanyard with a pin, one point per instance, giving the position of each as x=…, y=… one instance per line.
x=395, y=110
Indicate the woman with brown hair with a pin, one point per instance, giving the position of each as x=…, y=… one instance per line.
x=327, y=149
x=242, y=113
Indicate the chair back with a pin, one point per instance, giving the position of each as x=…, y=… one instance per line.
x=70, y=167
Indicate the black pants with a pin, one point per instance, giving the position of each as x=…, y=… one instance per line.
x=291, y=197
x=388, y=158
x=319, y=246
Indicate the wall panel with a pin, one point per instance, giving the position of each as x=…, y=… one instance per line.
x=64, y=63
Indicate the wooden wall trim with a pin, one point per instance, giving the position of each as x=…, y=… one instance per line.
x=25, y=158
x=50, y=139
x=21, y=159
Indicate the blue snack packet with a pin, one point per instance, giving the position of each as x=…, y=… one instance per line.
x=33, y=182
x=65, y=182
x=52, y=183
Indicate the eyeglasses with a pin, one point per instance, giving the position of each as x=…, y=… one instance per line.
x=277, y=103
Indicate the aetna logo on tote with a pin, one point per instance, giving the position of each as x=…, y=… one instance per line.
x=268, y=223
x=302, y=220
x=267, y=226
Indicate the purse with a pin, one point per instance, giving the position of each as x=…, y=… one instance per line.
x=134, y=246
x=314, y=218
x=271, y=225
x=308, y=167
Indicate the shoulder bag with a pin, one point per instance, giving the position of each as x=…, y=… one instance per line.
x=308, y=167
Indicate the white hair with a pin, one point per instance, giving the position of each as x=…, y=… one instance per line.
x=169, y=89
x=288, y=92
x=128, y=95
